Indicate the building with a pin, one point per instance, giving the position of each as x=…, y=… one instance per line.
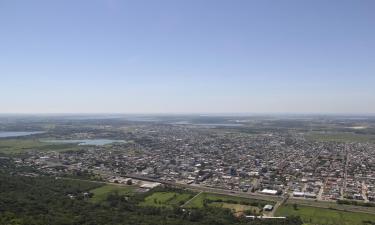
x=268, y=208
x=269, y=192
x=298, y=194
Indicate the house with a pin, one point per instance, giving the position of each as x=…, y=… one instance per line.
x=268, y=208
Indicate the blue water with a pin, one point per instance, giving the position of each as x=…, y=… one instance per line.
x=98, y=142
x=5, y=134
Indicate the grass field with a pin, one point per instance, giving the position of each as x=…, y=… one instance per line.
x=312, y=215
x=166, y=199
x=13, y=146
x=340, y=137
x=236, y=207
x=101, y=193
x=217, y=198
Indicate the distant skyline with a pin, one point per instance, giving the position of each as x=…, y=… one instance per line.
x=187, y=56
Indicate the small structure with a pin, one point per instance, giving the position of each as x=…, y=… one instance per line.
x=265, y=217
x=310, y=195
x=268, y=192
x=298, y=194
x=149, y=185
x=268, y=208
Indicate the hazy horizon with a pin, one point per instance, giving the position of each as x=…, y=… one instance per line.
x=184, y=57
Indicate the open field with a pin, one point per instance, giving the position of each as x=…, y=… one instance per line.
x=312, y=215
x=331, y=205
x=166, y=199
x=198, y=202
x=237, y=208
x=101, y=193
x=340, y=137
x=13, y=146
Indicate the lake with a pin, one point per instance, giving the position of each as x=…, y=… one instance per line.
x=98, y=142
x=6, y=134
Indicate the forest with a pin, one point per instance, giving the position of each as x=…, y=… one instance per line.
x=40, y=200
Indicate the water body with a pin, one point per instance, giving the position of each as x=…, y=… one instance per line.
x=6, y=134
x=219, y=124
x=209, y=124
x=98, y=142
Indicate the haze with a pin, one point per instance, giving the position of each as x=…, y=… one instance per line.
x=187, y=56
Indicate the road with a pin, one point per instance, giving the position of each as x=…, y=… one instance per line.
x=211, y=190
x=275, y=199
x=343, y=189
x=364, y=191
x=328, y=204
x=186, y=203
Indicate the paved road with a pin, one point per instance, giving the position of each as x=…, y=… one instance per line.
x=343, y=188
x=278, y=204
x=331, y=205
x=306, y=202
x=211, y=190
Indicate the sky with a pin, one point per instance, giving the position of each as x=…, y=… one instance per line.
x=187, y=56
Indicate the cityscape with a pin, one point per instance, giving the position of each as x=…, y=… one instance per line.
x=310, y=160
x=187, y=112
x=274, y=161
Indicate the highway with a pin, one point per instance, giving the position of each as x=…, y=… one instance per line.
x=278, y=200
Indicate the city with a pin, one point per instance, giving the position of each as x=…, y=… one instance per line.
x=286, y=162
x=187, y=112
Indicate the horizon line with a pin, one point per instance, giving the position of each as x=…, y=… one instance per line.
x=190, y=113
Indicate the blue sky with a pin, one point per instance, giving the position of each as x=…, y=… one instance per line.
x=187, y=56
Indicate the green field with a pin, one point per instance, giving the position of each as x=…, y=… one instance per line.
x=166, y=199
x=13, y=146
x=237, y=207
x=198, y=202
x=340, y=137
x=101, y=193
x=312, y=215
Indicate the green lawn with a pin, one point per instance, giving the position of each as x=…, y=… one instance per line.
x=166, y=199
x=320, y=216
x=13, y=146
x=198, y=201
x=101, y=193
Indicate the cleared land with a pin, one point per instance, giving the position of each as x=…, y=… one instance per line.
x=166, y=199
x=101, y=193
x=13, y=146
x=237, y=208
x=312, y=215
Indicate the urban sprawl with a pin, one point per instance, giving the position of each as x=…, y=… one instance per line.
x=271, y=163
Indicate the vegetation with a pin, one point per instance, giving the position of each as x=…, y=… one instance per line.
x=340, y=137
x=176, y=197
x=352, y=202
x=226, y=201
x=19, y=145
x=312, y=215
x=166, y=199
x=45, y=200
x=101, y=194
